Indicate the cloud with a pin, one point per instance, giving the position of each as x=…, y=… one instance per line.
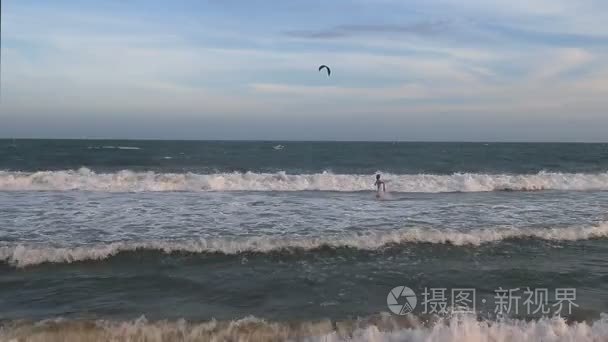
x=426, y=28
x=541, y=92
x=542, y=37
x=561, y=62
x=350, y=94
x=465, y=33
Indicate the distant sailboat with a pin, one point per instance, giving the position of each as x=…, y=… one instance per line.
x=14, y=144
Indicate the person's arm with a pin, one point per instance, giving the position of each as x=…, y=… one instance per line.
x=383, y=186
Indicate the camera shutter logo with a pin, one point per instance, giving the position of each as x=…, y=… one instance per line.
x=402, y=294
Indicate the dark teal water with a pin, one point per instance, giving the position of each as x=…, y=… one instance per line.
x=301, y=157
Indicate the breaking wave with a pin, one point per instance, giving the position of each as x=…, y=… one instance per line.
x=21, y=255
x=130, y=181
x=382, y=327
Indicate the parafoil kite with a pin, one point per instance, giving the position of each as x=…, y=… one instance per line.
x=327, y=68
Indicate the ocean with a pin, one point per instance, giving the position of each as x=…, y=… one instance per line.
x=124, y=240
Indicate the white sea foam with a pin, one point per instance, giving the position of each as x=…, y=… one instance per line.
x=109, y=147
x=127, y=181
x=379, y=329
x=27, y=255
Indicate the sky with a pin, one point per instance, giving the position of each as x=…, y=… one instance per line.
x=409, y=70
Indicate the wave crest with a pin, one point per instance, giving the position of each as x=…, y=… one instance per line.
x=130, y=181
x=23, y=255
x=383, y=327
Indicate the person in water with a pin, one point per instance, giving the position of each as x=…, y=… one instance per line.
x=379, y=183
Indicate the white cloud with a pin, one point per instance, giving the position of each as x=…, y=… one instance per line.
x=562, y=61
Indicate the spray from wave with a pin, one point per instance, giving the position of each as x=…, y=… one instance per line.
x=129, y=181
x=24, y=255
x=379, y=328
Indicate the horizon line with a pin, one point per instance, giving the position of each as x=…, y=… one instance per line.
x=315, y=141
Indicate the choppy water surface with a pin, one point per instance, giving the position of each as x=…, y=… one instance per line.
x=243, y=239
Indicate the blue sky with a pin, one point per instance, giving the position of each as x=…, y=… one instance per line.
x=466, y=70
